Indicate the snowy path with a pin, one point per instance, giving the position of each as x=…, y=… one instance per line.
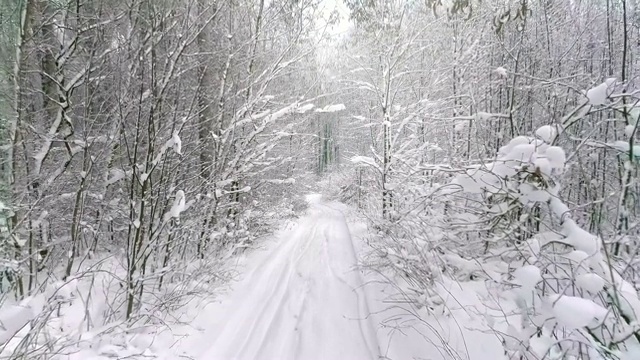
x=301, y=299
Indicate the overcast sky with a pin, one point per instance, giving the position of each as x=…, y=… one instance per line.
x=328, y=6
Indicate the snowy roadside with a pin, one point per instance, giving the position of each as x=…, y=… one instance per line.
x=459, y=328
x=300, y=294
x=64, y=321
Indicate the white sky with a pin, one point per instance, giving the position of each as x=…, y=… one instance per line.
x=327, y=6
x=326, y=52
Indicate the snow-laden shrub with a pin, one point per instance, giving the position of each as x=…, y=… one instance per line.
x=572, y=302
x=405, y=244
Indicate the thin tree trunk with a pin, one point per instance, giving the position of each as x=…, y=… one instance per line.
x=15, y=138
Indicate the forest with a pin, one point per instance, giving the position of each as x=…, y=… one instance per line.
x=477, y=158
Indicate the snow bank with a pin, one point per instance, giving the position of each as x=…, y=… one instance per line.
x=575, y=312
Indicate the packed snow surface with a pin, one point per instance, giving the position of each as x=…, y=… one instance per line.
x=302, y=300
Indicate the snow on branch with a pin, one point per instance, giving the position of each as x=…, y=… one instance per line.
x=331, y=108
x=365, y=161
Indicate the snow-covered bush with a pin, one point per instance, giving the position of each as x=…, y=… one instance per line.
x=571, y=301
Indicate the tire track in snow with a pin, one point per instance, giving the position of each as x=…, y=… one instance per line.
x=288, y=297
x=363, y=308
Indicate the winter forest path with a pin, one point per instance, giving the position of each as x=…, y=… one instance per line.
x=301, y=298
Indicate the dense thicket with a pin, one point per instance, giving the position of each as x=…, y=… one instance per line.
x=157, y=130
x=170, y=131
x=471, y=106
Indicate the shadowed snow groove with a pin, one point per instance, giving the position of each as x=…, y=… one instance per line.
x=302, y=300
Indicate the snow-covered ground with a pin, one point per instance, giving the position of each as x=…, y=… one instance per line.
x=303, y=295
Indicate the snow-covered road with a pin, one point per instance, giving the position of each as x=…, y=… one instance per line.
x=302, y=298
